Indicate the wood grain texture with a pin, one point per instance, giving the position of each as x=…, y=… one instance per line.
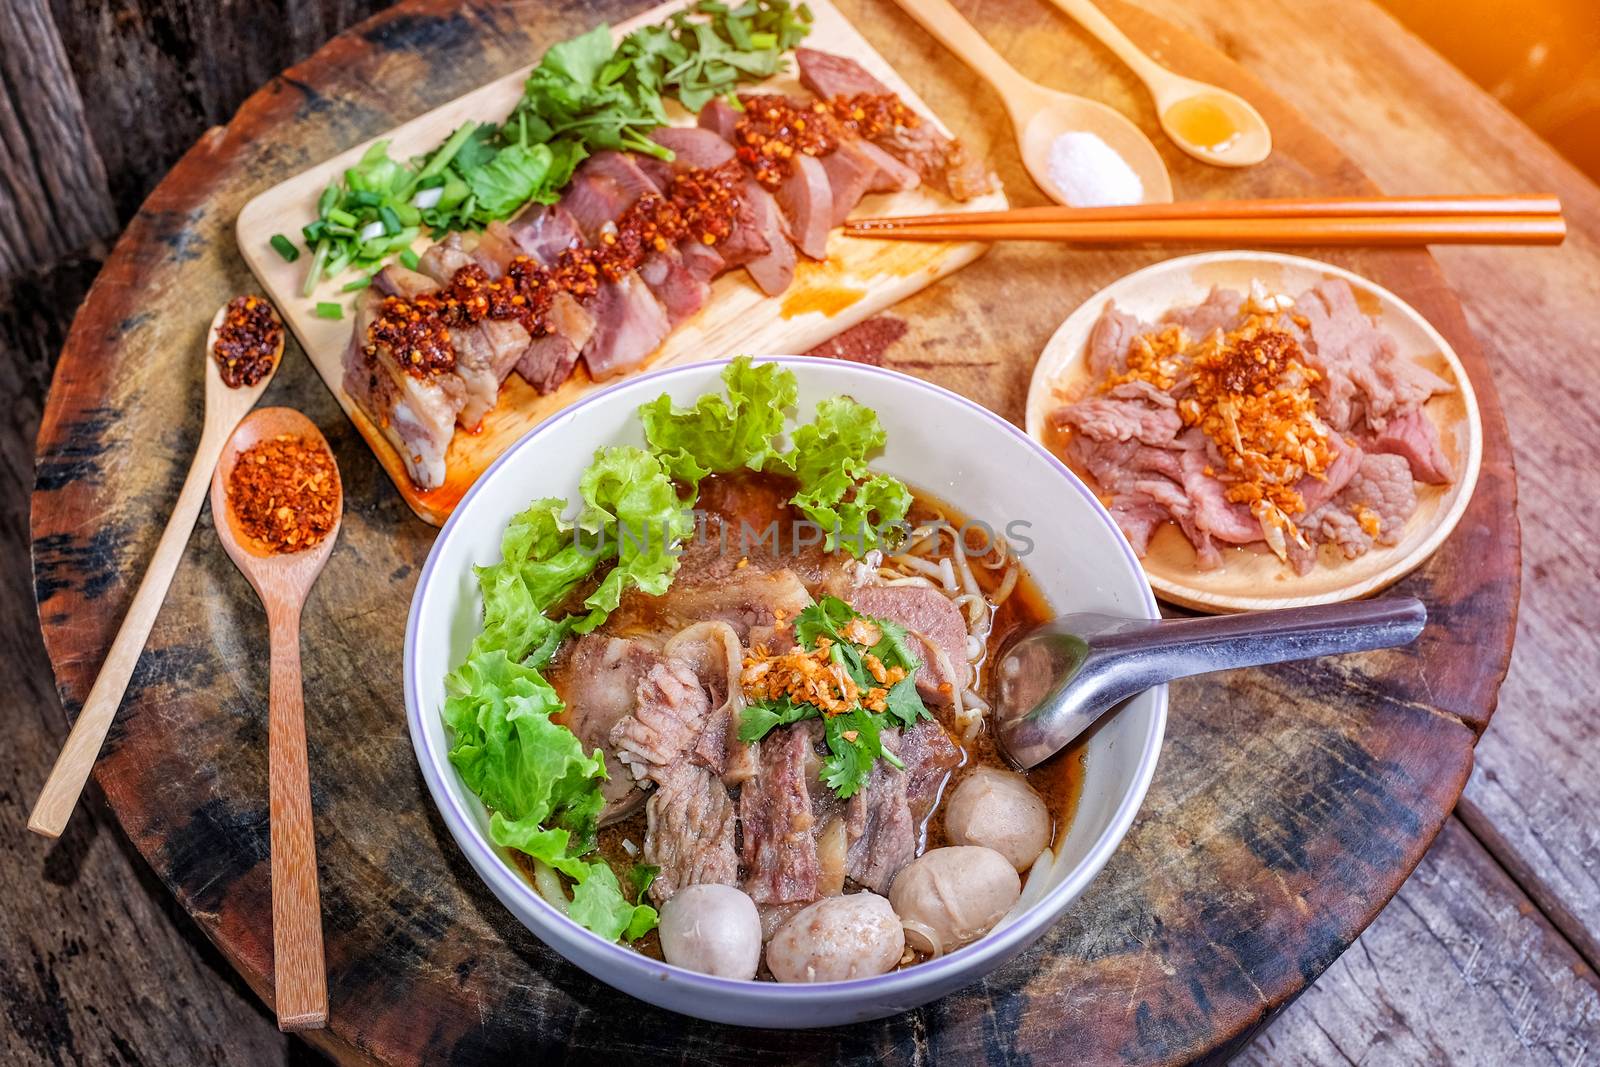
x=51, y=202
x=1531, y=795
x=1290, y=804
x=1453, y=971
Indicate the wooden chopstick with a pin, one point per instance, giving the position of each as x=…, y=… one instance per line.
x=1304, y=207
x=1327, y=230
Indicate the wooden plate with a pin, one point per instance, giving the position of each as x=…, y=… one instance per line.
x=858, y=279
x=1251, y=577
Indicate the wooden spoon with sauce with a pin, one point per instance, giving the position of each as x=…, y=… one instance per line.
x=1208, y=122
x=1039, y=116
x=225, y=406
x=282, y=580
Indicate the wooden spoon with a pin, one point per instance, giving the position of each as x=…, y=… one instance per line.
x=1210, y=123
x=225, y=406
x=1039, y=115
x=282, y=582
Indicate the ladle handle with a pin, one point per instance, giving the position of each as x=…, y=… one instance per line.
x=944, y=22
x=1137, y=659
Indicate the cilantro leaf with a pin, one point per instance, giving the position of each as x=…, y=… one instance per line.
x=854, y=744
x=758, y=720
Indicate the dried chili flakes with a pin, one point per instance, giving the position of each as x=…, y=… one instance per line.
x=248, y=341
x=284, y=491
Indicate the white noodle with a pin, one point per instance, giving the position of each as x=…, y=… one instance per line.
x=548, y=883
x=1007, y=584
x=921, y=566
x=948, y=575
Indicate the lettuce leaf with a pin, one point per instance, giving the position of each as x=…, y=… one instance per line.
x=633, y=508
x=541, y=560
x=541, y=787
x=853, y=505
x=721, y=434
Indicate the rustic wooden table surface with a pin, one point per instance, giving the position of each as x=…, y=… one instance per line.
x=1481, y=957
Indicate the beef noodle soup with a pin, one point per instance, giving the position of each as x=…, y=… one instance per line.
x=799, y=779
x=728, y=589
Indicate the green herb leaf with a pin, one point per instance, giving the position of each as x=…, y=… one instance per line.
x=758, y=720
x=852, y=505
x=851, y=758
x=721, y=434
x=633, y=507
x=641, y=875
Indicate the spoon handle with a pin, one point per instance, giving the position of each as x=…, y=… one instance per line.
x=299, y=978
x=61, y=790
x=1136, y=659
x=1109, y=34
x=944, y=22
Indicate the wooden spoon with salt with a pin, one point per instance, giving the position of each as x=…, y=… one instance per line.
x=1040, y=117
x=225, y=406
x=282, y=581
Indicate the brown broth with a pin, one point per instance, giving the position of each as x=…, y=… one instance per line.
x=757, y=499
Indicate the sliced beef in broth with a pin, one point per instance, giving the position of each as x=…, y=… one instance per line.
x=689, y=831
x=711, y=650
x=878, y=824
x=780, y=853
x=938, y=624
x=929, y=756
x=670, y=712
x=598, y=681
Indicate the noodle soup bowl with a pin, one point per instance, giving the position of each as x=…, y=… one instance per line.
x=939, y=443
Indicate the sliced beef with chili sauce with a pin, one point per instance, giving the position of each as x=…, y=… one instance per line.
x=940, y=161
x=759, y=242
x=416, y=415
x=689, y=831
x=779, y=850
x=475, y=350
x=542, y=233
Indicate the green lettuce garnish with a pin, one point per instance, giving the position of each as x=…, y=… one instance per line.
x=542, y=789
x=853, y=505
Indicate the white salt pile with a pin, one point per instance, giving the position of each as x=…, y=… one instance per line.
x=1090, y=173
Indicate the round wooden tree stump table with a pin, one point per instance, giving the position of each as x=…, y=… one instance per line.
x=1288, y=807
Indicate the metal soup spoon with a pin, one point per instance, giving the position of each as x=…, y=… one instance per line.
x=1056, y=680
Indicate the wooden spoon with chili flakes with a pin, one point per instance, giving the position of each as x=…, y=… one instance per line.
x=278, y=501
x=243, y=350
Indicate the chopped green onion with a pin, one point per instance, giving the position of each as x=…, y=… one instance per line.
x=285, y=248
x=391, y=221
x=409, y=259
x=360, y=283
x=366, y=199
x=343, y=218
x=328, y=310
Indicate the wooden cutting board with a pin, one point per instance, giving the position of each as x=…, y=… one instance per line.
x=858, y=279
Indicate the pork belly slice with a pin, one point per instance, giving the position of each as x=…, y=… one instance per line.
x=416, y=416
x=481, y=350
x=759, y=242
x=779, y=850
x=936, y=621
x=598, y=681
x=939, y=160
x=689, y=831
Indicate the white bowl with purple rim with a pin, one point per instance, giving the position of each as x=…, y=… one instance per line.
x=939, y=443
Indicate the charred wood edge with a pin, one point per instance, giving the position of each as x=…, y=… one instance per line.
x=53, y=194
